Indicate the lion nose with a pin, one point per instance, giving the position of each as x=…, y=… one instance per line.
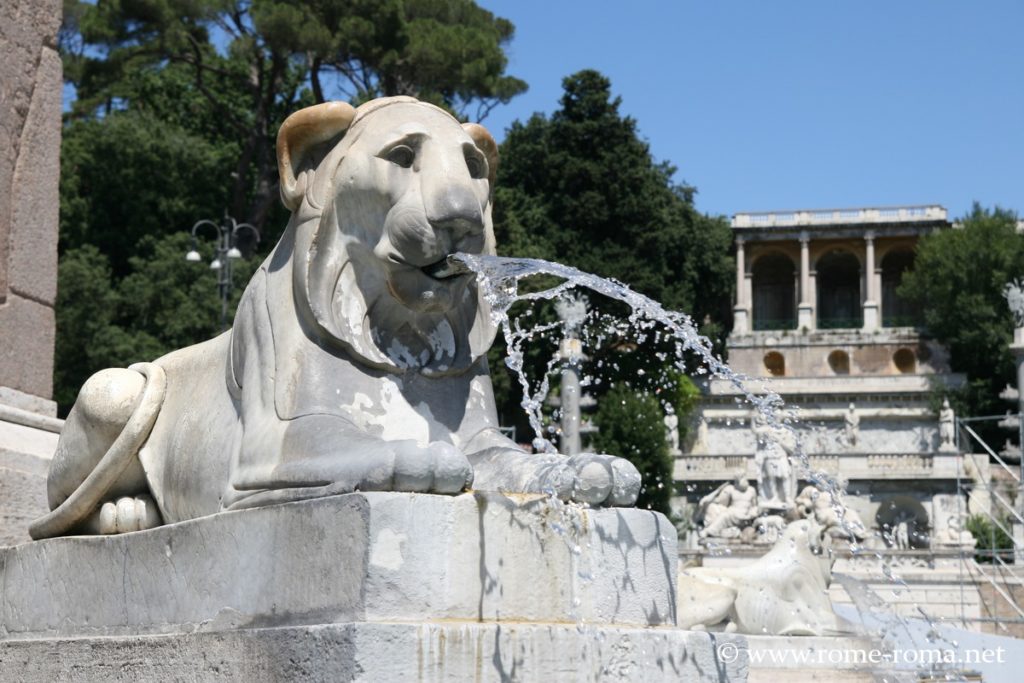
x=455, y=210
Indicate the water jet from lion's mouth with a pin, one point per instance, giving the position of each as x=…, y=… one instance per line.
x=448, y=267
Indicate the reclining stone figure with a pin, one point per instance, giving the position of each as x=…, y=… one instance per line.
x=356, y=360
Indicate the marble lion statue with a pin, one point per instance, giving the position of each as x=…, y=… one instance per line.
x=356, y=361
x=785, y=592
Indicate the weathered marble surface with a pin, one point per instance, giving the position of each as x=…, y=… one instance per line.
x=393, y=652
x=357, y=557
x=361, y=587
x=30, y=109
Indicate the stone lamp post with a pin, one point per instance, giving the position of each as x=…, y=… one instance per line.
x=226, y=251
x=572, y=312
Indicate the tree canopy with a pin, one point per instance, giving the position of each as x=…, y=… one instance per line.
x=581, y=187
x=958, y=280
x=176, y=112
x=243, y=65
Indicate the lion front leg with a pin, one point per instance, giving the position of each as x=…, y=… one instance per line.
x=591, y=478
x=322, y=455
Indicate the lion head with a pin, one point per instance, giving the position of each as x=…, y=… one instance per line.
x=379, y=195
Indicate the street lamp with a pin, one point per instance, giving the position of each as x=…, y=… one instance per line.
x=226, y=251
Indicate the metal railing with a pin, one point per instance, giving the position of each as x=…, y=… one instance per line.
x=774, y=323
x=1007, y=571
x=840, y=323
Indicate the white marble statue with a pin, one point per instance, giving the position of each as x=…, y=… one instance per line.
x=812, y=503
x=775, y=480
x=357, y=356
x=701, y=436
x=851, y=427
x=947, y=428
x=785, y=592
x=728, y=509
x=672, y=432
x=955, y=534
x=1014, y=294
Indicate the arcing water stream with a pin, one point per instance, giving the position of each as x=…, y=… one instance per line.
x=499, y=278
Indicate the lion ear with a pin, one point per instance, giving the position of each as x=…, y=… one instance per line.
x=485, y=143
x=301, y=131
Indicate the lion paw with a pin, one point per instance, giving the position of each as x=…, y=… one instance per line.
x=585, y=478
x=126, y=514
x=597, y=479
x=438, y=467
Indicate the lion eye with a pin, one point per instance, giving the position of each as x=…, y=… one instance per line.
x=402, y=155
x=477, y=166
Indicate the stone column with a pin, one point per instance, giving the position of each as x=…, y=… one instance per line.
x=30, y=109
x=871, y=319
x=741, y=312
x=572, y=353
x=805, y=310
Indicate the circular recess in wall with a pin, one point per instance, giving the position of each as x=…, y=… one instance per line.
x=905, y=361
x=775, y=363
x=839, y=361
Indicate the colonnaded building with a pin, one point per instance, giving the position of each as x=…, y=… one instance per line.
x=819, y=316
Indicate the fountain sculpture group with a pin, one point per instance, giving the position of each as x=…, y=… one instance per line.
x=282, y=479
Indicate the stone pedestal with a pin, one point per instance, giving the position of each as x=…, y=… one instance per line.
x=28, y=438
x=872, y=320
x=740, y=320
x=805, y=317
x=365, y=586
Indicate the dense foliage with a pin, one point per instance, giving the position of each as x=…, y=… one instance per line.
x=177, y=107
x=631, y=425
x=581, y=187
x=958, y=279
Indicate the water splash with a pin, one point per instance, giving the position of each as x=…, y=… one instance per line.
x=499, y=278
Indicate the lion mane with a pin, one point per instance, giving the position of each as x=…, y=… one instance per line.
x=340, y=290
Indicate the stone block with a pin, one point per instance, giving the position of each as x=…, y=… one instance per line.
x=32, y=270
x=19, y=400
x=30, y=111
x=387, y=652
x=26, y=346
x=375, y=557
x=22, y=490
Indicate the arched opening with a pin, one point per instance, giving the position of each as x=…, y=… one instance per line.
x=774, y=284
x=903, y=522
x=905, y=361
x=775, y=364
x=839, y=301
x=839, y=361
x=897, y=311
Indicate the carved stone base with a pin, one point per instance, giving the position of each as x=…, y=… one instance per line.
x=355, y=557
x=365, y=586
x=386, y=652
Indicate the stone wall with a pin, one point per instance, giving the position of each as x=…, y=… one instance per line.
x=30, y=125
x=30, y=111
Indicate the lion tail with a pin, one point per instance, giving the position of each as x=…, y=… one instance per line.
x=85, y=499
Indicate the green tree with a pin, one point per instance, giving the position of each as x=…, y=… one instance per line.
x=630, y=425
x=958, y=280
x=253, y=62
x=581, y=187
x=178, y=104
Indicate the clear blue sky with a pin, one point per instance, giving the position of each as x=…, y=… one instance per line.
x=787, y=104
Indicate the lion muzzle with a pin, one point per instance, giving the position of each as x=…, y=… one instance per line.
x=448, y=267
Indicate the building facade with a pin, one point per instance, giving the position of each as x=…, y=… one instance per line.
x=819, y=316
